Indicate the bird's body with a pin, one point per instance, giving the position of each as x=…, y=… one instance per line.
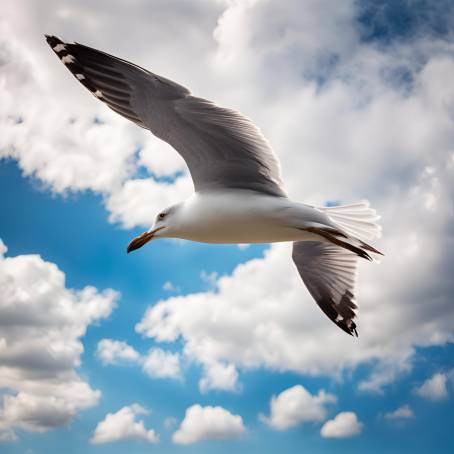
x=239, y=193
x=241, y=216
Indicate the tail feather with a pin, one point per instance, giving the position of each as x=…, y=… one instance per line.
x=358, y=220
x=356, y=225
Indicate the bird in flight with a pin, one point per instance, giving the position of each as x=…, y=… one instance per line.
x=239, y=196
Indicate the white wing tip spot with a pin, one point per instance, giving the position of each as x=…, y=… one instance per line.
x=98, y=93
x=80, y=76
x=68, y=59
x=59, y=47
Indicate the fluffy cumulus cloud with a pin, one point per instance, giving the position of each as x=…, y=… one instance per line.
x=157, y=363
x=160, y=364
x=136, y=202
x=344, y=425
x=111, y=351
x=124, y=425
x=58, y=142
x=348, y=118
x=208, y=423
x=220, y=376
x=42, y=322
x=296, y=406
x=434, y=388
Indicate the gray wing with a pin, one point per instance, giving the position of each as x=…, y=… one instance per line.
x=222, y=148
x=329, y=273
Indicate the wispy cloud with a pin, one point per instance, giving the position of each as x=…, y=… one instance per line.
x=434, y=388
x=399, y=414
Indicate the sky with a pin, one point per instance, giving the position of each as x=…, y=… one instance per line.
x=197, y=348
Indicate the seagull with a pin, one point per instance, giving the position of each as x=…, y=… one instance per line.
x=239, y=196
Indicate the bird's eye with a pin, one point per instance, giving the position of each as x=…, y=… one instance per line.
x=162, y=215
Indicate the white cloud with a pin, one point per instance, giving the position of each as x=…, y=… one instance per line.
x=160, y=158
x=170, y=422
x=160, y=364
x=123, y=425
x=59, y=144
x=138, y=201
x=3, y=249
x=296, y=406
x=344, y=425
x=401, y=413
x=42, y=323
x=157, y=363
x=111, y=351
x=434, y=388
x=208, y=423
x=6, y=433
x=38, y=413
x=386, y=371
x=170, y=287
x=219, y=376
x=209, y=278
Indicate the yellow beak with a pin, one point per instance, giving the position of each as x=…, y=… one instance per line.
x=140, y=240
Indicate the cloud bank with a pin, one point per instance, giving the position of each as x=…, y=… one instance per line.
x=42, y=322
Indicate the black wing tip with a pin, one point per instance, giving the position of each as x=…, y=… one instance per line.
x=349, y=329
x=354, y=331
x=53, y=40
x=65, y=52
x=95, y=71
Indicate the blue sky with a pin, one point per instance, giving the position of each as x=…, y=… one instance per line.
x=357, y=101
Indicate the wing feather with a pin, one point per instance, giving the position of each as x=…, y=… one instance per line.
x=329, y=273
x=222, y=148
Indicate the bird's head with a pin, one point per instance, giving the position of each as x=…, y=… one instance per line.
x=162, y=227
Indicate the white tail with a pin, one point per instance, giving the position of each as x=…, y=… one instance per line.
x=357, y=219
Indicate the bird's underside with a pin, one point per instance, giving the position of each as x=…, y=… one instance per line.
x=226, y=153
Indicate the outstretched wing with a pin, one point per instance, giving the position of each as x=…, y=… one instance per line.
x=329, y=272
x=222, y=148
